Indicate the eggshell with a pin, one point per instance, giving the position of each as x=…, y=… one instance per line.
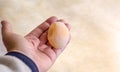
x=58, y=35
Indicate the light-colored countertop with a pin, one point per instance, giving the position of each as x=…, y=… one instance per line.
x=95, y=30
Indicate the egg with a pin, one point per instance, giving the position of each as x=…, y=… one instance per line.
x=58, y=35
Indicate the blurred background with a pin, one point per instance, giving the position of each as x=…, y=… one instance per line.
x=95, y=30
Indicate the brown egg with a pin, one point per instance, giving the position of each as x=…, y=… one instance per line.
x=58, y=35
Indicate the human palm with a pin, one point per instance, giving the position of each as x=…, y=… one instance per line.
x=35, y=45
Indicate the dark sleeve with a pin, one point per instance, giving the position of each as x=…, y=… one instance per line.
x=25, y=59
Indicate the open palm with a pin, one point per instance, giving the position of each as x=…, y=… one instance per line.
x=35, y=45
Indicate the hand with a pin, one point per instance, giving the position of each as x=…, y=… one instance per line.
x=35, y=45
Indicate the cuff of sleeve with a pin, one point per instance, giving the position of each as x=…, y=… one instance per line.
x=25, y=59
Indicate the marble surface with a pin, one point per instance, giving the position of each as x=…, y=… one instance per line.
x=95, y=30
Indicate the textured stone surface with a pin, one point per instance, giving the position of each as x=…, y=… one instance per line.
x=95, y=30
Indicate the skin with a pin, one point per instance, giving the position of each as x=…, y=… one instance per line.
x=35, y=45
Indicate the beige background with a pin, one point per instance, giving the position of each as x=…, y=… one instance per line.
x=95, y=44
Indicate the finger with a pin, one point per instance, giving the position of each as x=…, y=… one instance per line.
x=51, y=19
x=43, y=27
x=48, y=44
x=68, y=26
x=50, y=53
x=6, y=27
x=43, y=37
x=61, y=20
x=58, y=51
x=42, y=47
x=39, y=30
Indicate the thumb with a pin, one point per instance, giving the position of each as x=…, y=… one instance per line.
x=6, y=27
